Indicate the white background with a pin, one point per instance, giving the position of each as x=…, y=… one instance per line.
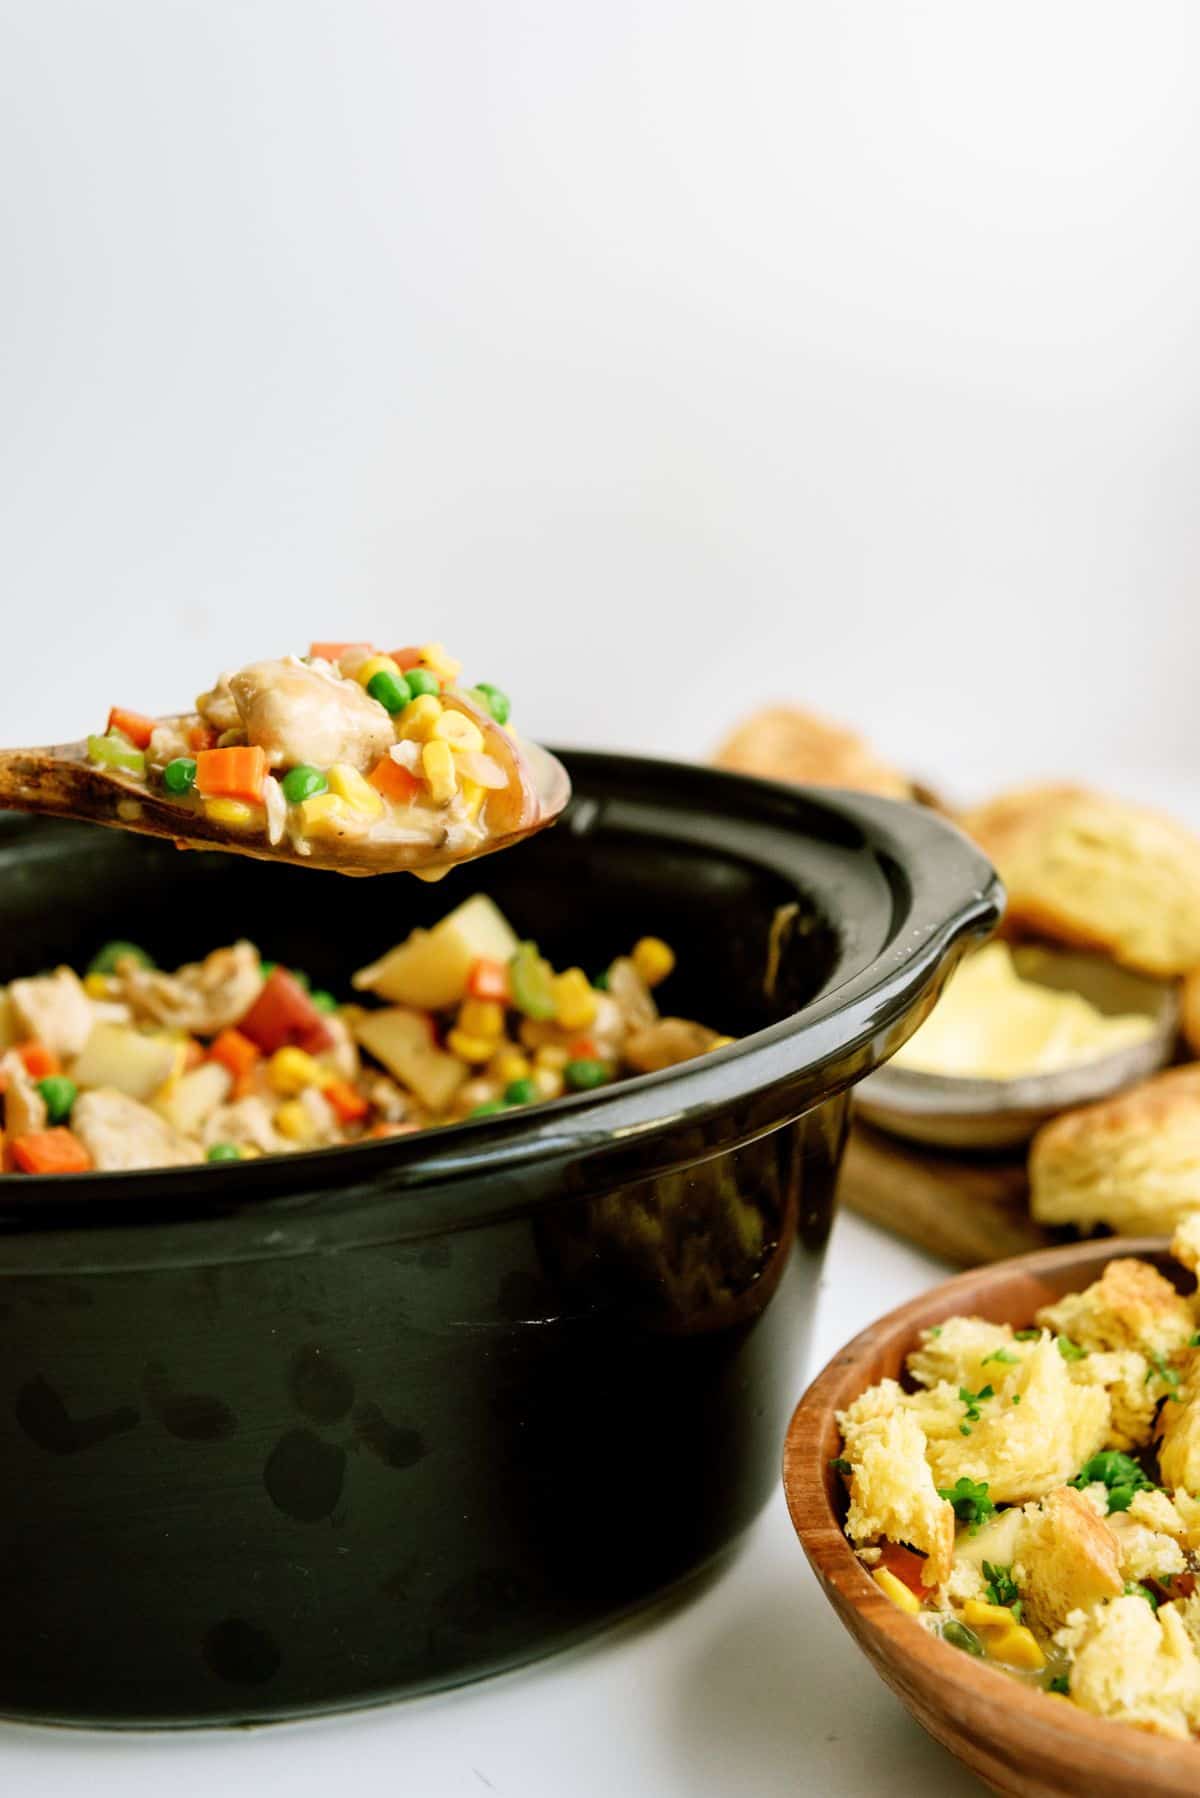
x=664, y=355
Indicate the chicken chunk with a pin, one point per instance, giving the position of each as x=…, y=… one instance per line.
x=298, y=714
x=203, y=996
x=119, y=1133
x=55, y=1009
x=246, y=1122
x=666, y=1043
x=24, y=1106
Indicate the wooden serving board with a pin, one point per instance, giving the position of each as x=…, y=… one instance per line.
x=963, y=1209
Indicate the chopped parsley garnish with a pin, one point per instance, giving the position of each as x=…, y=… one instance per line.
x=1194, y=1341
x=1134, y=1589
x=1001, y=1354
x=1070, y=1351
x=1016, y=1398
x=973, y=1400
x=970, y=1501
x=936, y=1330
x=1167, y=1374
x=1026, y=1335
x=1060, y=1683
x=840, y=1466
x=1120, y=1473
x=1001, y=1588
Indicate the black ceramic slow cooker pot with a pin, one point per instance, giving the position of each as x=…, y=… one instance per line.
x=308, y=1432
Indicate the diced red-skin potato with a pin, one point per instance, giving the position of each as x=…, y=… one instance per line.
x=284, y=1016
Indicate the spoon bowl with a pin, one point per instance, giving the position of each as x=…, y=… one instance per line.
x=62, y=782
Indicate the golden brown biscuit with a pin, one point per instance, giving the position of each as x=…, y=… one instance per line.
x=1096, y=872
x=1066, y=1559
x=1189, y=1011
x=784, y=743
x=1131, y=1162
x=1135, y=1666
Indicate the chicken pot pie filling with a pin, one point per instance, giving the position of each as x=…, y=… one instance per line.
x=130, y=1066
x=1031, y=1495
x=345, y=743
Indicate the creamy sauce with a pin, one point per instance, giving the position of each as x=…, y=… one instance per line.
x=990, y=1024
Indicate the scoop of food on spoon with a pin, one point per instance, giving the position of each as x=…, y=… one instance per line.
x=344, y=759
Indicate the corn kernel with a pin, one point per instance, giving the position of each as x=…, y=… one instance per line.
x=328, y=815
x=439, y=662
x=295, y=1122
x=553, y=1056
x=508, y=1064
x=470, y=1048
x=97, y=986
x=234, y=814
x=366, y=671
x=482, y=1017
x=549, y=1083
x=574, y=1000
x=1019, y=1648
x=653, y=959
x=290, y=1070
x=417, y=720
x=349, y=785
x=459, y=731
x=437, y=762
x=473, y=796
x=897, y=1591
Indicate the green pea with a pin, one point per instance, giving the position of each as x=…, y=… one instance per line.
x=497, y=702
x=391, y=690
x=105, y=960
x=521, y=1092
x=582, y=1076
x=179, y=776
x=959, y=1636
x=420, y=680
x=487, y=1111
x=323, y=1001
x=224, y=1151
x=302, y=782
x=60, y=1094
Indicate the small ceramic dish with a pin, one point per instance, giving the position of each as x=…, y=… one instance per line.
x=955, y=1112
x=1022, y=1741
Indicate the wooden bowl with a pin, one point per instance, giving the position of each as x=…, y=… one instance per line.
x=1020, y=1740
x=959, y=1112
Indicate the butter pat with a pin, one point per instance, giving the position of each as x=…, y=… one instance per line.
x=990, y=1024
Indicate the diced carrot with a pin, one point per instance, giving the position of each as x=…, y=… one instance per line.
x=54, y=1151
x=283, y=1015
x=201, y=736
x=907, y=1567
x=583, y=1050
x=393, y=781
x=39, y=1060
x=134, y=725
x=488, y=979
x=406, y=659
x=332, y=652
x=382, y=1129
x=234, y=773
x=193, y=1054
x=346, y=1100
x=234, y=1051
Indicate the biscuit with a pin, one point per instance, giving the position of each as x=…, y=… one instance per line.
x=1131, y=1306
x=1131, y=1161
x=1134, y=1666
x=966, y=1351
x=892, y=1493
x=1189, y=1011
x=1179, y=1445
x=1066, y=1559
x=784, y=743
x=1097, y=873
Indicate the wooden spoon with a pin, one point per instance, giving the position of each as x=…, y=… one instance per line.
x=62, y=782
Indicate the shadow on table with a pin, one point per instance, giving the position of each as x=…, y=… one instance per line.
x=774, y=1703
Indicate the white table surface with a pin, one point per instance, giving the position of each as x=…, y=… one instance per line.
x=748, y=1687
